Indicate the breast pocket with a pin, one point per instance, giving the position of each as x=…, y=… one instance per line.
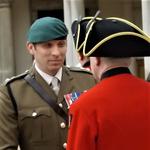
x=34, y=124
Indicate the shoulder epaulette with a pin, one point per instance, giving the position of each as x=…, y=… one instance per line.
x=78, y=69
x=20, y=76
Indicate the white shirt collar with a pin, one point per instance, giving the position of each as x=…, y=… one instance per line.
x=48, y=78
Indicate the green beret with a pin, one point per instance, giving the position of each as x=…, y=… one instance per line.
x=115, y=37
x=46, y=29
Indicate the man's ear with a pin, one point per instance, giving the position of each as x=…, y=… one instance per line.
x=81, y=57
x=30, y=48
x=98, y=61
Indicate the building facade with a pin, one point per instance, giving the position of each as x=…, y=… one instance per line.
x=16, y=17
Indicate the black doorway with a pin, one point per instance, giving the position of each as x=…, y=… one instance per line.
x=57, y=13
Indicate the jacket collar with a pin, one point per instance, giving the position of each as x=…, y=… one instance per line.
x=115, y=71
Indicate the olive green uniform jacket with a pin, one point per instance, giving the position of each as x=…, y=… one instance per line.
x=37, y=126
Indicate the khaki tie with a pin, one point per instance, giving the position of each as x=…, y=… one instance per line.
x=55, y=85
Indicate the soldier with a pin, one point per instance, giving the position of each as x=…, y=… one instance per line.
x=78, y=29
x=33, y=108
x=114, y=114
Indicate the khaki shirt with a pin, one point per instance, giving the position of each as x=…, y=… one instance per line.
x=37, y=126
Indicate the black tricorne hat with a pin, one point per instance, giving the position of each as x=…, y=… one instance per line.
x=116, y=37
x=79, y=28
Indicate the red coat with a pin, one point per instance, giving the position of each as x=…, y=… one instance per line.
x=113, y=115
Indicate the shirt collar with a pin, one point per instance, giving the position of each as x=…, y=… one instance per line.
x=48, y=78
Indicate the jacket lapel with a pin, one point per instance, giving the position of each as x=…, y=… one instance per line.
x=42, y=82
x=66, y=85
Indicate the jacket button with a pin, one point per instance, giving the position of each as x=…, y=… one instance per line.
x=65, y=145
x=34, y=114
x=62, y=125
x=60, y=105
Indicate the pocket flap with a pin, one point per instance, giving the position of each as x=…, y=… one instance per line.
x=34, y=112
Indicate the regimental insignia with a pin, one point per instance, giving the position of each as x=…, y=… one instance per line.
x=72, y=97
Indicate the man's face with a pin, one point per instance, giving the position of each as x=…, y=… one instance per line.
x=49, y=56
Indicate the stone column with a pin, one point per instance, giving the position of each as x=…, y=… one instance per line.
x=6, y=45
x=72, y=10
x=146, y=28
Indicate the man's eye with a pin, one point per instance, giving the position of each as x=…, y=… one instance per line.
x=47, y=45
x=61, y=44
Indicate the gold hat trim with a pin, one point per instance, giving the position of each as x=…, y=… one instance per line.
x=129, y=23
x=111, y=37
x=77, y=47
x=142, y=35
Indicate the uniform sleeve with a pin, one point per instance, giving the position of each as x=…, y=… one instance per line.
x=8, y=123
x=81, y=134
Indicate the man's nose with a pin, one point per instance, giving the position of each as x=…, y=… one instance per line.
x=55, y=51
